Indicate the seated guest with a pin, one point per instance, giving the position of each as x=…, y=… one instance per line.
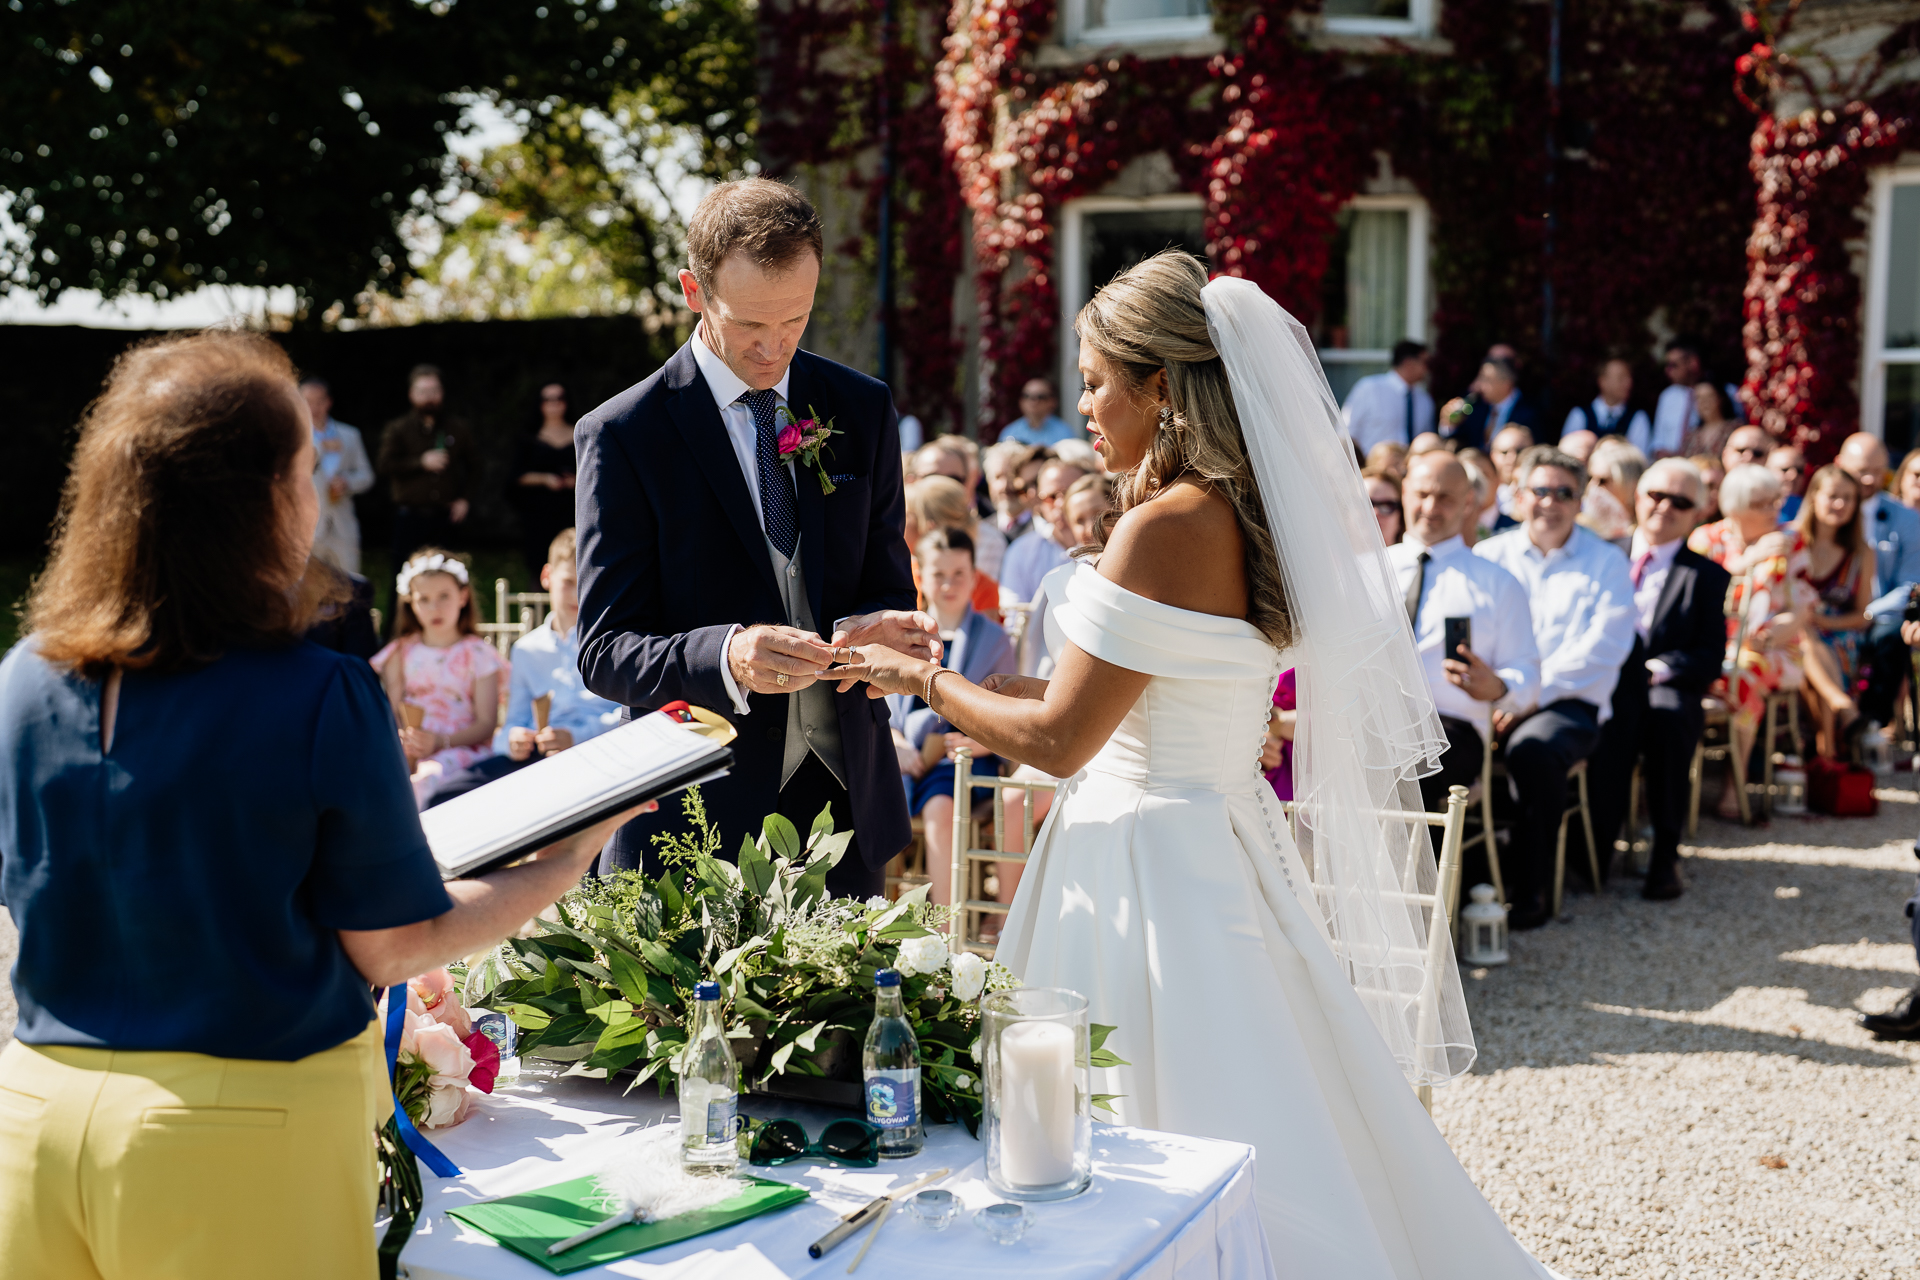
x=1087, y=505
x=1894, y=532
x=1391, y=407
x=1579, y=445
x=1508, y=445
x=1580, y=600
x=1038, y=424
x=210, y=854
x=1486, y=492
x=1388, y=456
x=935, y=502
x=1003, y=465
x=1679, y=638
x=1442, y=579
x=545, y=662
x=1790, y=464
x=1383, y=491
x=1841, y=568
x=1906, y=481
x=438, y=664
x=976, y=647
x=1771, y=596
x=1496, y=402
x=1714, y=408
x=1746, y=446
x=1609, y=414
x=1044, y=547
x=1711, y=474
x=1276, y=754
x=1614, y=473
x=1426, y=442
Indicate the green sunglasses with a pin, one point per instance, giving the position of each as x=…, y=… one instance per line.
x=849, y=1142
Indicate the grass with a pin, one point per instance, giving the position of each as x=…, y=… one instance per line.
x=16, y=575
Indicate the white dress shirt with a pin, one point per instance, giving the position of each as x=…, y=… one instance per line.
x=737, y=418
x=1646, y=596
x=1460, y=584
x=1604, y=419
x=1376, y=410
x=1580, y=597
x=1673, y=417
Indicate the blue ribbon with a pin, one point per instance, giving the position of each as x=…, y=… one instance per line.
x=435, y=1159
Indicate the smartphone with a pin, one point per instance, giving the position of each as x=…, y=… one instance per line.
x=1456, y=632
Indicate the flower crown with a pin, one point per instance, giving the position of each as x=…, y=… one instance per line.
x=429, y=564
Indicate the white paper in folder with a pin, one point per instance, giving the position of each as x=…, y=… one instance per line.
x=530, y=808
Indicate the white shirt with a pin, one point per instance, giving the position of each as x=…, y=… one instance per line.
x=1602, y=419
x=737, y=418
x=1460, y=584
x=1673, y=417
x=1646, y=596
x=1376, y=410
x=1580, y=597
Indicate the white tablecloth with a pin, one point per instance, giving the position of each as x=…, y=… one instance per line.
x=1162, y=1206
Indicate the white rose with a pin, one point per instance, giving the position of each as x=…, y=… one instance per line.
x=923, y=955
x=969, y=976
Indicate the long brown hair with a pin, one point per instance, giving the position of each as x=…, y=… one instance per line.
x=171, y=543
x=1851, y=536
x=1148, y=318
x=406, y=623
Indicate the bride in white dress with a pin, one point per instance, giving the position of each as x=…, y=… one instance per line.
x=1254, y=1004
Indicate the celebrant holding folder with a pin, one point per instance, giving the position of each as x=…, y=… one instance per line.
x=209, y=846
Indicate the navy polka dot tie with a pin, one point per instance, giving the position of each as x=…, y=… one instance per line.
x=779, y=505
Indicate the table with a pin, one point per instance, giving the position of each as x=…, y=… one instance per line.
x=1162, y=1206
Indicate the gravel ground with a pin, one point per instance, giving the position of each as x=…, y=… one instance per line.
x=1681, y=1090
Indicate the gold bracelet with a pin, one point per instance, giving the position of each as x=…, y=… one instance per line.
x=935, y=674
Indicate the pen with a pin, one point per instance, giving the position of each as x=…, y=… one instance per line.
x=854, y=1221
x=620, y=1219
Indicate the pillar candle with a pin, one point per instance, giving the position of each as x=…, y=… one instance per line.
x=1036, y=1103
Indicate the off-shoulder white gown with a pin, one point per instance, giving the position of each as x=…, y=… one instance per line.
x=1165, y=887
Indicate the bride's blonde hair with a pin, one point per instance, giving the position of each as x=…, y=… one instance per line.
x=1149, y=318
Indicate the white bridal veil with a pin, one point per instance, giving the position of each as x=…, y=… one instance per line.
x=1367, y=728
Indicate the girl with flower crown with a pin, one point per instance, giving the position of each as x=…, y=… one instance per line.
x=438, y=663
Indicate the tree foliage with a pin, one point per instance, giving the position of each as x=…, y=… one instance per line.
x=155, y=148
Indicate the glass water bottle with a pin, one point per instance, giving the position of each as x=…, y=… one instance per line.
x=707, y=1098
x=890, y=1068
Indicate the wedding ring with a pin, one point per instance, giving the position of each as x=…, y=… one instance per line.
x=780, y=678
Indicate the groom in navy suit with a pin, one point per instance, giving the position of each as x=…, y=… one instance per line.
x=717, y=570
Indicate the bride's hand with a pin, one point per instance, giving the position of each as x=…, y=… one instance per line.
x=1012, y=686
x=885, y=670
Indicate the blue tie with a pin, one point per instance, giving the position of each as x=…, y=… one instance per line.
x=779, y=505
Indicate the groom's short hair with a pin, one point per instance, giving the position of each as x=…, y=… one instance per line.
x=770, y=222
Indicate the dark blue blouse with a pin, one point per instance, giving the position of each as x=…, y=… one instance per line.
x=183, y=891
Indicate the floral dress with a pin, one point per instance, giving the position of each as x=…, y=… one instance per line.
x=1838, y=594
x=442, y=682
x=1774, y=586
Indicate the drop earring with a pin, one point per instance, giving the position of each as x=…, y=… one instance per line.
x=1166, y=417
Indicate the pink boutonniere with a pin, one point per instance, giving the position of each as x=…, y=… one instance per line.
x=805, y=437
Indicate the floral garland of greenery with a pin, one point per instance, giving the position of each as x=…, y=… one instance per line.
x=609, y=984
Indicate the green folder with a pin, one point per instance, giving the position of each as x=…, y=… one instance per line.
x=529, y=1222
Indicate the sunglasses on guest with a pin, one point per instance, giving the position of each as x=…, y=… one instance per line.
x=1558, y=492
x=1678, y=501
x=1386, y=507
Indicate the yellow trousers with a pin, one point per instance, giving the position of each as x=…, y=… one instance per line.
x=179, y=1166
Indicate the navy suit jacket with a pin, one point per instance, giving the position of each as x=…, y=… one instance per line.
x=671, y=555
x=1689, y=631
x=1472, y=431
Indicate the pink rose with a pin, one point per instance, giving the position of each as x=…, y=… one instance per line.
x=442, y=1051
x=435, y=992
x=791, y=436
x=486, y=1061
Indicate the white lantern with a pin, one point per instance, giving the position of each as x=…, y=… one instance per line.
x=1790, y=781
x=1484, y=923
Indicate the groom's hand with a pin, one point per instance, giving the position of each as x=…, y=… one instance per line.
x=914, y=633
x=760, y=657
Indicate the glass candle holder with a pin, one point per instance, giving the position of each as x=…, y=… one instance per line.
x=1039, y=1093
x=936, y=1208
